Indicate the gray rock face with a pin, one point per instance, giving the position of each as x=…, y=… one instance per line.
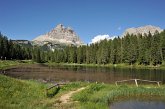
x=142, y=30
x=21, y=41
x=59, y=35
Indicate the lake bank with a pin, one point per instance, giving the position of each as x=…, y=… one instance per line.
x=23, y=94
x=6, y=64
x=110, y=65
x=100, y=96
x=31, y=94
x=20, y=94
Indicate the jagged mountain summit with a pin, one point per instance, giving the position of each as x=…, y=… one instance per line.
x=142, y=30
x=59, y=35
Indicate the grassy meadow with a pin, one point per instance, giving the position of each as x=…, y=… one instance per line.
x=19, y=94
x=30, y=94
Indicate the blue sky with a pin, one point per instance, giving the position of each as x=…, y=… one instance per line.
x=26, y=19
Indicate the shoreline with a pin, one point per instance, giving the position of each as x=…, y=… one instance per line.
x=6, y=64
x=95, y=95
x=135, y=66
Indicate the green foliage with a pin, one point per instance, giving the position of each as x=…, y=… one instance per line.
x=37, y=55
x=85, y=95
x=145, y=50
x=23, y=94
x=52, y=92
x=162, y=41
x=72, y=86
x=156, y=54
x=5, y=64
x=10, y=50
x=20, y=94
x=96, y=95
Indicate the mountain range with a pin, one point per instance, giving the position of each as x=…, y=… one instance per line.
x=142, y=30
x=61, y=36
x=66, y=36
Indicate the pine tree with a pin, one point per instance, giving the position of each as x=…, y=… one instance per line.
x=156, y=49
x=84, y=53
x=126, y=48
x=79, y=55
x=162, y=42
x=92, y=51
x=113, y=51
x=133, y=47
x=72, y=55
x=87, y=55
x=104, y=52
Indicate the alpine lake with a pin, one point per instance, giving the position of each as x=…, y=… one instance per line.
x=107, y=75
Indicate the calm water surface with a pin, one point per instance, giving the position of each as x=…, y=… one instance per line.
x=81, y=73
x=135, y=104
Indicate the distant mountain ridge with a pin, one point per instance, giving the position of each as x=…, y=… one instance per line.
x=59, y=35
x=142, y=30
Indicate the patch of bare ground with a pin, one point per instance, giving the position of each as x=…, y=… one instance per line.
x=65, y=102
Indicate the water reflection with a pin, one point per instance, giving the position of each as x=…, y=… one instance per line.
x=80, y=73
x=135, y=104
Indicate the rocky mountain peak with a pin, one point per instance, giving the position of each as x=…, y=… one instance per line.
x=142, y=30
x=59, y=35
x=60, y=26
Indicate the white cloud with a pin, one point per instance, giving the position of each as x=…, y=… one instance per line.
x=98, y=38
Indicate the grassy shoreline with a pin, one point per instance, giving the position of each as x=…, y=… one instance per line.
x=22, y=94
x=136, y=66
x=6, y=64
x=30, y=94
x=102, y=95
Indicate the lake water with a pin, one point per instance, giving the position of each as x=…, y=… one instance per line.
x=81, y=73
x=136, y=104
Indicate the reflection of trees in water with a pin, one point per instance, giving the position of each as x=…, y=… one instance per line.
x=81, y=73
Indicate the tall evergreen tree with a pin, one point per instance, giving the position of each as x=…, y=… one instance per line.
x=162, y=42
x=79, y=55
x=156, y=49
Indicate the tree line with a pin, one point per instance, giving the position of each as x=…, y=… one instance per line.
x=14, y=51
x=144, y=49
x=10, y=50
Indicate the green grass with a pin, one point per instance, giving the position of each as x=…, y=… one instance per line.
x=19, y=94
x=9, y=63
x=122, y=65
x=101, y=95
x=29, y=94
x=5, y=64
